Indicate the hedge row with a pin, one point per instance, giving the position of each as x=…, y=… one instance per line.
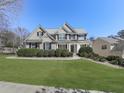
x=116, y=60
x=30, y=52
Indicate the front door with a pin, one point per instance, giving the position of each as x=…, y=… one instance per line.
x=74, y=48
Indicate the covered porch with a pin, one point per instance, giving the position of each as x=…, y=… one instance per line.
x=69, y=46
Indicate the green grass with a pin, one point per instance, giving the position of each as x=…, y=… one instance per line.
x=69, y=74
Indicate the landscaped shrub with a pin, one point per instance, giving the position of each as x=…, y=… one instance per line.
x=40, y=53
x=30, y=52
x=120, y=61
x=70, y=54
x=58, y=52
x=102, y=59
x=51, y=53
x=117, y=61
x=88, y=53
x=86, y=49
x=84, y=54
x=27, y=52
x=45, y=53
x=64, y=53
x=110, y=58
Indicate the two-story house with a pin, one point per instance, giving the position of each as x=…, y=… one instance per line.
x=64, y=37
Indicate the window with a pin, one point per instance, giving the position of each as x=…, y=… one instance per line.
x=61, y=36
x=40, y=33
x=47, y=46
x=104, y=46
x=29, y=45
x=83, y=45
x=37, y=33
x=62, y=46
x=33, y=45
x=72, y=37
x=80, y=37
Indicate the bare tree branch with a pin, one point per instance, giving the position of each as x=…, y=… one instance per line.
x=8, y=11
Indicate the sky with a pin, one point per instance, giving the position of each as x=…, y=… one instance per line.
x=98, y=17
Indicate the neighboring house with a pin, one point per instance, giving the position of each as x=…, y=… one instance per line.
x=105, y=46
x=64, y=37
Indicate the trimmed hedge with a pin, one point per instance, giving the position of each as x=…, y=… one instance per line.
x=40, y=53
x=30, y=52
x=24, y=52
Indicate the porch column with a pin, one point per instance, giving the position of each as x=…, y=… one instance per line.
x=26, y=45
x=76, y=37
x=56, y=37
x=56, y=46
x=69, y=47
x=41, y=45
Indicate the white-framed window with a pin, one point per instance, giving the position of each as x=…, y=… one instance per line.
x=62, y=37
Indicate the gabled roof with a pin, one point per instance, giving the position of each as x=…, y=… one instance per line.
x=109, y=40
x=39, y=38
x=67, y=28
x=47, y=33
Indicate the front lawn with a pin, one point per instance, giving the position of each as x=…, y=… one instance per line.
x=70, y=74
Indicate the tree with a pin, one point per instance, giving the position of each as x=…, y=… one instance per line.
x=22, y=33
x=121, y=33
x=8, y=8
x=8, y=38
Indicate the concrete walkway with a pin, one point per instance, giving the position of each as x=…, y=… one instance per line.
x=75, y=57
x=7, y=87
x=45, y=58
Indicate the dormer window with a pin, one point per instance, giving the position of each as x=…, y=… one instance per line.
x=61, y=36
x=40, y=33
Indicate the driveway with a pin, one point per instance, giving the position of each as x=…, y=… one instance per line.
x=7, y=87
